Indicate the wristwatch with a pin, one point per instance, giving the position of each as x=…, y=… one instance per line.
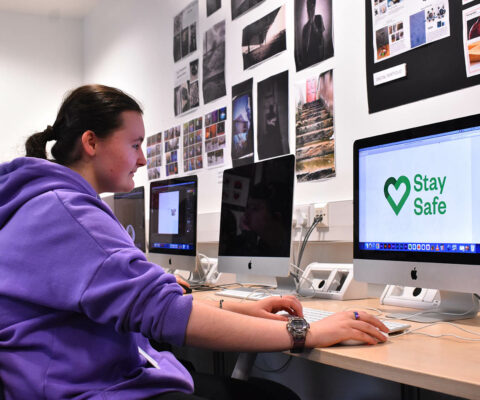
x=298, y=327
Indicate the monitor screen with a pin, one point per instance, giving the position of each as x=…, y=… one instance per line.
x=256, y=218
x=129, y=208
x=173, y=222
x=416, y=213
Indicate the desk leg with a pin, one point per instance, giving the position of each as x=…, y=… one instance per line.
x=218, y=363
x=410, y=392
x=244, y=365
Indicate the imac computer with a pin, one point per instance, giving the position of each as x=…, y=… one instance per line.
x=256, y=222
x=129, y=208
x=417, y=213
x=173, y=223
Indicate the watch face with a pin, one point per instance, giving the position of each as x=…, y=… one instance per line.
x=299, y=323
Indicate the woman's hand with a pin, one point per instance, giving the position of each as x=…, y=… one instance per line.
x=268, y=307
x=343, y=326
x=183, y=283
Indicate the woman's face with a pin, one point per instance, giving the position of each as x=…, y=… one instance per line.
x=119, y=155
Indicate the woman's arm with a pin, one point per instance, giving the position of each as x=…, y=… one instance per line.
x=265, y=308
x=219, y=329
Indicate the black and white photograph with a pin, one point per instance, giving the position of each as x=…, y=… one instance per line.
x=186, y=91
x=272, y=116
x=214, y=63
x=240, y=7
x=315, y=129
x=194, y=70
x=242, y=123
x=193, y=91
x=185, y=31
x=212, y=6
x=313, y=32
x=264, y=38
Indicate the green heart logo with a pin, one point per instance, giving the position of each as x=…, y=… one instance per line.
x=396, y=184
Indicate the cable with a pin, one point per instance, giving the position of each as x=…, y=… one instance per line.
x=414, y=332
x=431, y=311
x=316, y=221
x=303, y=278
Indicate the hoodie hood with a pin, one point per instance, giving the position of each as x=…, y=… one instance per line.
x=25, y=178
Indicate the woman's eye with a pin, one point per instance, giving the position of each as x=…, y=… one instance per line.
x=136, y=146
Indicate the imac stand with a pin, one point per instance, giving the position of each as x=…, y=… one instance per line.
x=279, y=285
x=452, y=306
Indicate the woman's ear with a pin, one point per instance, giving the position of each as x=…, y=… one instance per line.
x=89, y=143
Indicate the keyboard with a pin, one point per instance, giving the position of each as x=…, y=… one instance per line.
x=312, y=315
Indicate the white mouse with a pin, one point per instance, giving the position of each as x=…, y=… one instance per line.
x=354, y=342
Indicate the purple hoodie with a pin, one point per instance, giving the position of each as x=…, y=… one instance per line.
x=74, y=290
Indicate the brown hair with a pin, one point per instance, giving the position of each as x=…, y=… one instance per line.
x=91, y=107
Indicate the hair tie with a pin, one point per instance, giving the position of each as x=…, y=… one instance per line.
x=50, y=133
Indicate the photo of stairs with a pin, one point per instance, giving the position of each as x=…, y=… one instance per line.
x=315, y=141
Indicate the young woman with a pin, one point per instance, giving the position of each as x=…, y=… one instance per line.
x=77, y=298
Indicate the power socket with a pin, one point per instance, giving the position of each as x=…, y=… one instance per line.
x=302, y=216
x=322, y=209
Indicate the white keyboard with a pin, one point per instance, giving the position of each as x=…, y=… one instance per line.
x=251, y=293
x=312, y=315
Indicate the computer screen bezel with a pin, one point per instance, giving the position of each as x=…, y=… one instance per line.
x=117, y=196
x=253, y=269
x=166, y=251
x=397, y=137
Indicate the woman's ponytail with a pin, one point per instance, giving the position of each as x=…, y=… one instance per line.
x=35, y=145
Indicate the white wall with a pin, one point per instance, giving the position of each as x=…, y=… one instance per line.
x=130, y=45
x=40, y=59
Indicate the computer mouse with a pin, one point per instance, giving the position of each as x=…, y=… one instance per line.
x=354, y=342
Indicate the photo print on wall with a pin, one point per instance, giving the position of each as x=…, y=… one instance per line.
x=154, y=156
x=313, y=32
x=171, y=138
x=272, y=116
x=215, y=141
x=315, y=133
x=214, y=63
x=264, y=38
x=185, y=31
x=192, y=145
x=242, y=123
x=186, y=95
x=212, y=6
x=240, y=7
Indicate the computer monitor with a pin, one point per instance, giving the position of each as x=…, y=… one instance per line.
x=129, y=208
x=173, y=223
x=256, y=220
x=417, y=212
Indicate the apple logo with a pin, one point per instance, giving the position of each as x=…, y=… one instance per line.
x=250, y=264
x=413, y=273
